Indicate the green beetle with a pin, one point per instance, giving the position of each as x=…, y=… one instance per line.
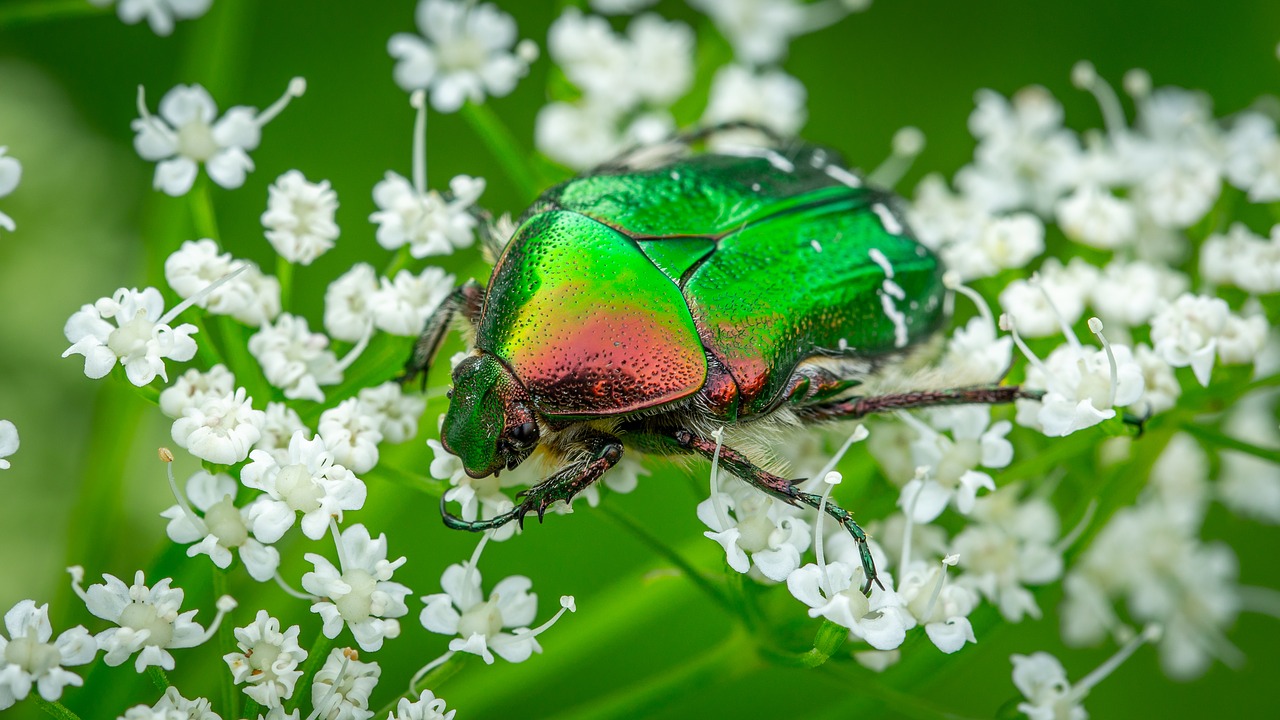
x=669, y=293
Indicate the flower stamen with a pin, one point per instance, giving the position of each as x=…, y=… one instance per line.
x=908, y=143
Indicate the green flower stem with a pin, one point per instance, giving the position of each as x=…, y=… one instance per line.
x=504, y=147
x=720, y=664
x=203, y=215
x=315, y=660
x=158, y=677
x=55, y=709
x=251, y=709
x=398, y=262
x=1044, y=461
x=226, y=642
x=284, y=273
x=829, y=639
x=242, y=364
x=659, y=547
x=207, y=354
x=433, y=679
x=1229, y=443
x=34, y=11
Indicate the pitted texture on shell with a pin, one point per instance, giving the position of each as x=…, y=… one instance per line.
x=587, y=322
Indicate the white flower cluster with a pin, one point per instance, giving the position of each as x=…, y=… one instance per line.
x=10, y=175
x=159, y=14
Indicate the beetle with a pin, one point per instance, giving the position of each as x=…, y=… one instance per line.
x=669, y=293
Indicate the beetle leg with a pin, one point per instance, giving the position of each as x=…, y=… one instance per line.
x=785, y=490
x=468, y=299
x=603, y=452
x=863, y=406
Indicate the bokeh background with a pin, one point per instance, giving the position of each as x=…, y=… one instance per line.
x=85, y=487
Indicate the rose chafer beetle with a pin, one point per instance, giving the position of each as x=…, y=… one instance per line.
x=670, y=293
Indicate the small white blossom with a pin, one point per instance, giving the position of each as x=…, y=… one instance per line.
x=769, y=98
x=426, y=707
x=756, y=531
x=278, y=429
x=1160, y=385
x=652, y=65
x=28, y=657
x=1011, y=546
x=584, y=134
x=1093, y=216
x=172, y=706
x=8, y=442
x=220, y=526
x=397, y=410
x=220, y=429
x=185, y=134
x=1081, y=390
x=1130, y=293
x=952, y=462
x=879, y=620
x=348, y=312
x=976, y=352
x=148, y=618
x=295, y=359
x=429, y=222
x=944, y=612
x=159, y=14
x=193, y=387
x=761, y=30
x=479, y=624
x=464, y=53
x=620, y=7
x=360, y=593
x=1253, y=156
x=10, y=175
x=267, y=661
x=342, y=687
x=351, y=435
x=1242, y=259
x=402, y=306
x=995, y=244
x=299, y=217
x=1195, y=329
x=140, y=339
x=250, y=297
x=1055, y=295
x=307, y=481
x=1042, y=681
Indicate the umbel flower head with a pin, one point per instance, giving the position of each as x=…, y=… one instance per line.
x=267, y=660
x=358, y=592
x=30, y=657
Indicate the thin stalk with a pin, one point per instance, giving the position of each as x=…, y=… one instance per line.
x=315, y=660
x=433, y=679
x=158, y=677
x=661, y=548
x=284, y=274
x=226, y=642
x=1229, y=443
x=497, y=136
x=34, y=11
x=203, y=215
x=55, y=709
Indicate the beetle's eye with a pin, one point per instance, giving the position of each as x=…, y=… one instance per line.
x=525, y=434
x=448, y=394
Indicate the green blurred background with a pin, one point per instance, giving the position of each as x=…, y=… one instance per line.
x=85, y=487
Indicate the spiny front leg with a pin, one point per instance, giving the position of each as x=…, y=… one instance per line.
x=467, y=299
x=599, y=453
x=785, y=490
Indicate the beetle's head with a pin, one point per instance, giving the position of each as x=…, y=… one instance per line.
x=489, y=424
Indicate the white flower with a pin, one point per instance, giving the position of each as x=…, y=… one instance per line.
x=299, y=217
x=951, y=462
x=834, y=591
x=220, y=527
x=426, y=707
x=1093, y=216
x=148, y=618
x=402, y=306
x=976, y=352
x=307, y=481
x=193, y=387
x=160, y=14
x=267, y=661
x=352, y=435
x=587, y=133
x=1242, y=259
x=1160, y=385
x=348, y=313
x=27, y=657
x=185, y=135
x=342, y=687
x=1011, y=546
x=462, y=610
x=1082, y=389
x=943, y=609
x=397, y=411
x=429, y=222
x=1196, y=328
x=652, y=65
x=140, y=340
x=760, y=30
x=994, y=244
x=770, y=98
x=1054, y=296
x=1130, y=293
x=359, y=593
x=172, y=706
x=8, y=442
x=250, y=297
x=220, y=429
x=463, y=55
x=1042, y=681
x=620, y=7
x=1253, y=156
x=10, y=174
x=278, y=429
x=757, y=531
x=295, y=359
